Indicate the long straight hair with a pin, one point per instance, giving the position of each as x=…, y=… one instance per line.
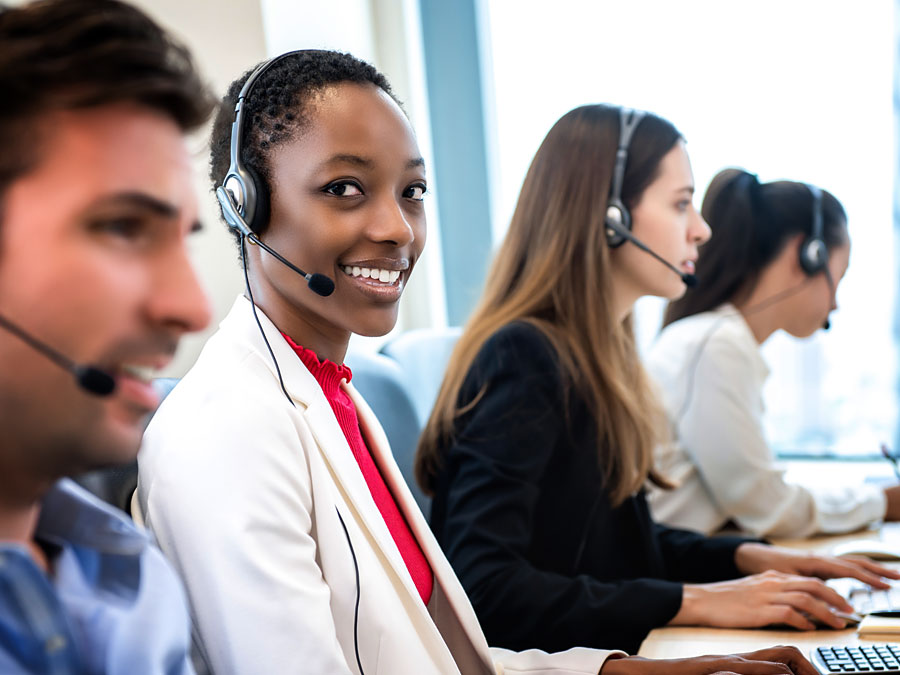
x=553, y=271
x=751, y=222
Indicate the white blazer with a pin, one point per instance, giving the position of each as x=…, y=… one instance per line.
x=243, y=492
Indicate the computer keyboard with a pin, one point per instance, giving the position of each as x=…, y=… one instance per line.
x=872, y=659
x=866, y=600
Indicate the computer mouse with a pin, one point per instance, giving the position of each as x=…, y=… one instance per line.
x=876, y=549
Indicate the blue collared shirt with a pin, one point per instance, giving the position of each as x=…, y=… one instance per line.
x=112, y=604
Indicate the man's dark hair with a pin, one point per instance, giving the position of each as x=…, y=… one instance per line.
x=277, y=108
x=72, y=54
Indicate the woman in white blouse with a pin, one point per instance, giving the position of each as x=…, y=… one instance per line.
x=777, y=253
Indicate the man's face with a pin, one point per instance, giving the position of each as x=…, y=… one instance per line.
x=93, y=261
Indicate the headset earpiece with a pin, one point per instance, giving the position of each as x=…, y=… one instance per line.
x=617, y=215
x=257, y=217
x=813, y=251
x=247, y=193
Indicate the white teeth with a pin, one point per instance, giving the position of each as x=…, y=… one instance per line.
x=384, y=276
x=144, y=373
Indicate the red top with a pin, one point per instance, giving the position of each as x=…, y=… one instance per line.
x=329, y=375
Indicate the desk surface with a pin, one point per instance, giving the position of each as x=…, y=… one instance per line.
x=679, y=642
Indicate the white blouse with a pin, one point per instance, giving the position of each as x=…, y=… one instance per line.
x=711, y=377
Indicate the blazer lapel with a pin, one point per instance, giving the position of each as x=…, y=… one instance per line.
x=348, y=479
x=311, y=403
x=440, y=566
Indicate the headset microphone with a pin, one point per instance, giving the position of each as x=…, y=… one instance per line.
x=690, y=280
x=318, y=283
x=826, y=325
x=90, y=378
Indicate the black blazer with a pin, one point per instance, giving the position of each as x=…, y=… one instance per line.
x=522, y=514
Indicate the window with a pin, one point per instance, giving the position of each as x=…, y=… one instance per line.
x=799, y=90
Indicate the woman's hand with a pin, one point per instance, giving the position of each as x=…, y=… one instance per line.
x=761, y=600
x=780, y=660
x=754, y=558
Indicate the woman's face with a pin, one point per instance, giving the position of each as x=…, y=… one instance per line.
x=807, y=311
x=667, y=222
x=347, y=203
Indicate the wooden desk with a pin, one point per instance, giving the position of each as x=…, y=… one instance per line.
x=679, y=642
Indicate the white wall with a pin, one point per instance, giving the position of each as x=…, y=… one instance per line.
x=226, y=38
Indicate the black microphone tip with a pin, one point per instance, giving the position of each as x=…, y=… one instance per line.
x=690, y=280
x=826, y=325
x=94, y=380
x=321, y=285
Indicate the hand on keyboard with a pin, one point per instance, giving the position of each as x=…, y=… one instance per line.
x=771, y=598
x=865, y=599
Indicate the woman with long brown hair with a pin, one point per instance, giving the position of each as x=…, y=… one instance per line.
x=543, y=432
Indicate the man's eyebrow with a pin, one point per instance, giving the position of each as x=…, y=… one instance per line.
x=415, y=163
x=144, y=201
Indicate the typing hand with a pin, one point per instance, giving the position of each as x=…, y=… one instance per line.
x=755, y=558
x=777, y=660
x=762, y=600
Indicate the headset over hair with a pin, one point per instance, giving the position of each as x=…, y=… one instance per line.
x=243, y=196
x=617, y=221
x=813, y=251
x=618, y=217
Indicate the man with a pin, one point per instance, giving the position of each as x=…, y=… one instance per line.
x=95, y=209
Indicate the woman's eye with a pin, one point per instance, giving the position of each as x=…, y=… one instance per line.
x=416, y=192
x=344, y=189
x=683, y=205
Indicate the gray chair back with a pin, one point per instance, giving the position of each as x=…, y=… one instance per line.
x=423, y=354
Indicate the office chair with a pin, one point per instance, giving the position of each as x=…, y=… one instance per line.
x=422, y=355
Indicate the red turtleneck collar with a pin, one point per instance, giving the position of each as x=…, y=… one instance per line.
x=330, y=375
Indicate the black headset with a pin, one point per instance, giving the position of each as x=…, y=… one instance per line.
x=242, y=192
x=617, y=222
x=617, y=215
x=244, y=197
x=813, y=252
